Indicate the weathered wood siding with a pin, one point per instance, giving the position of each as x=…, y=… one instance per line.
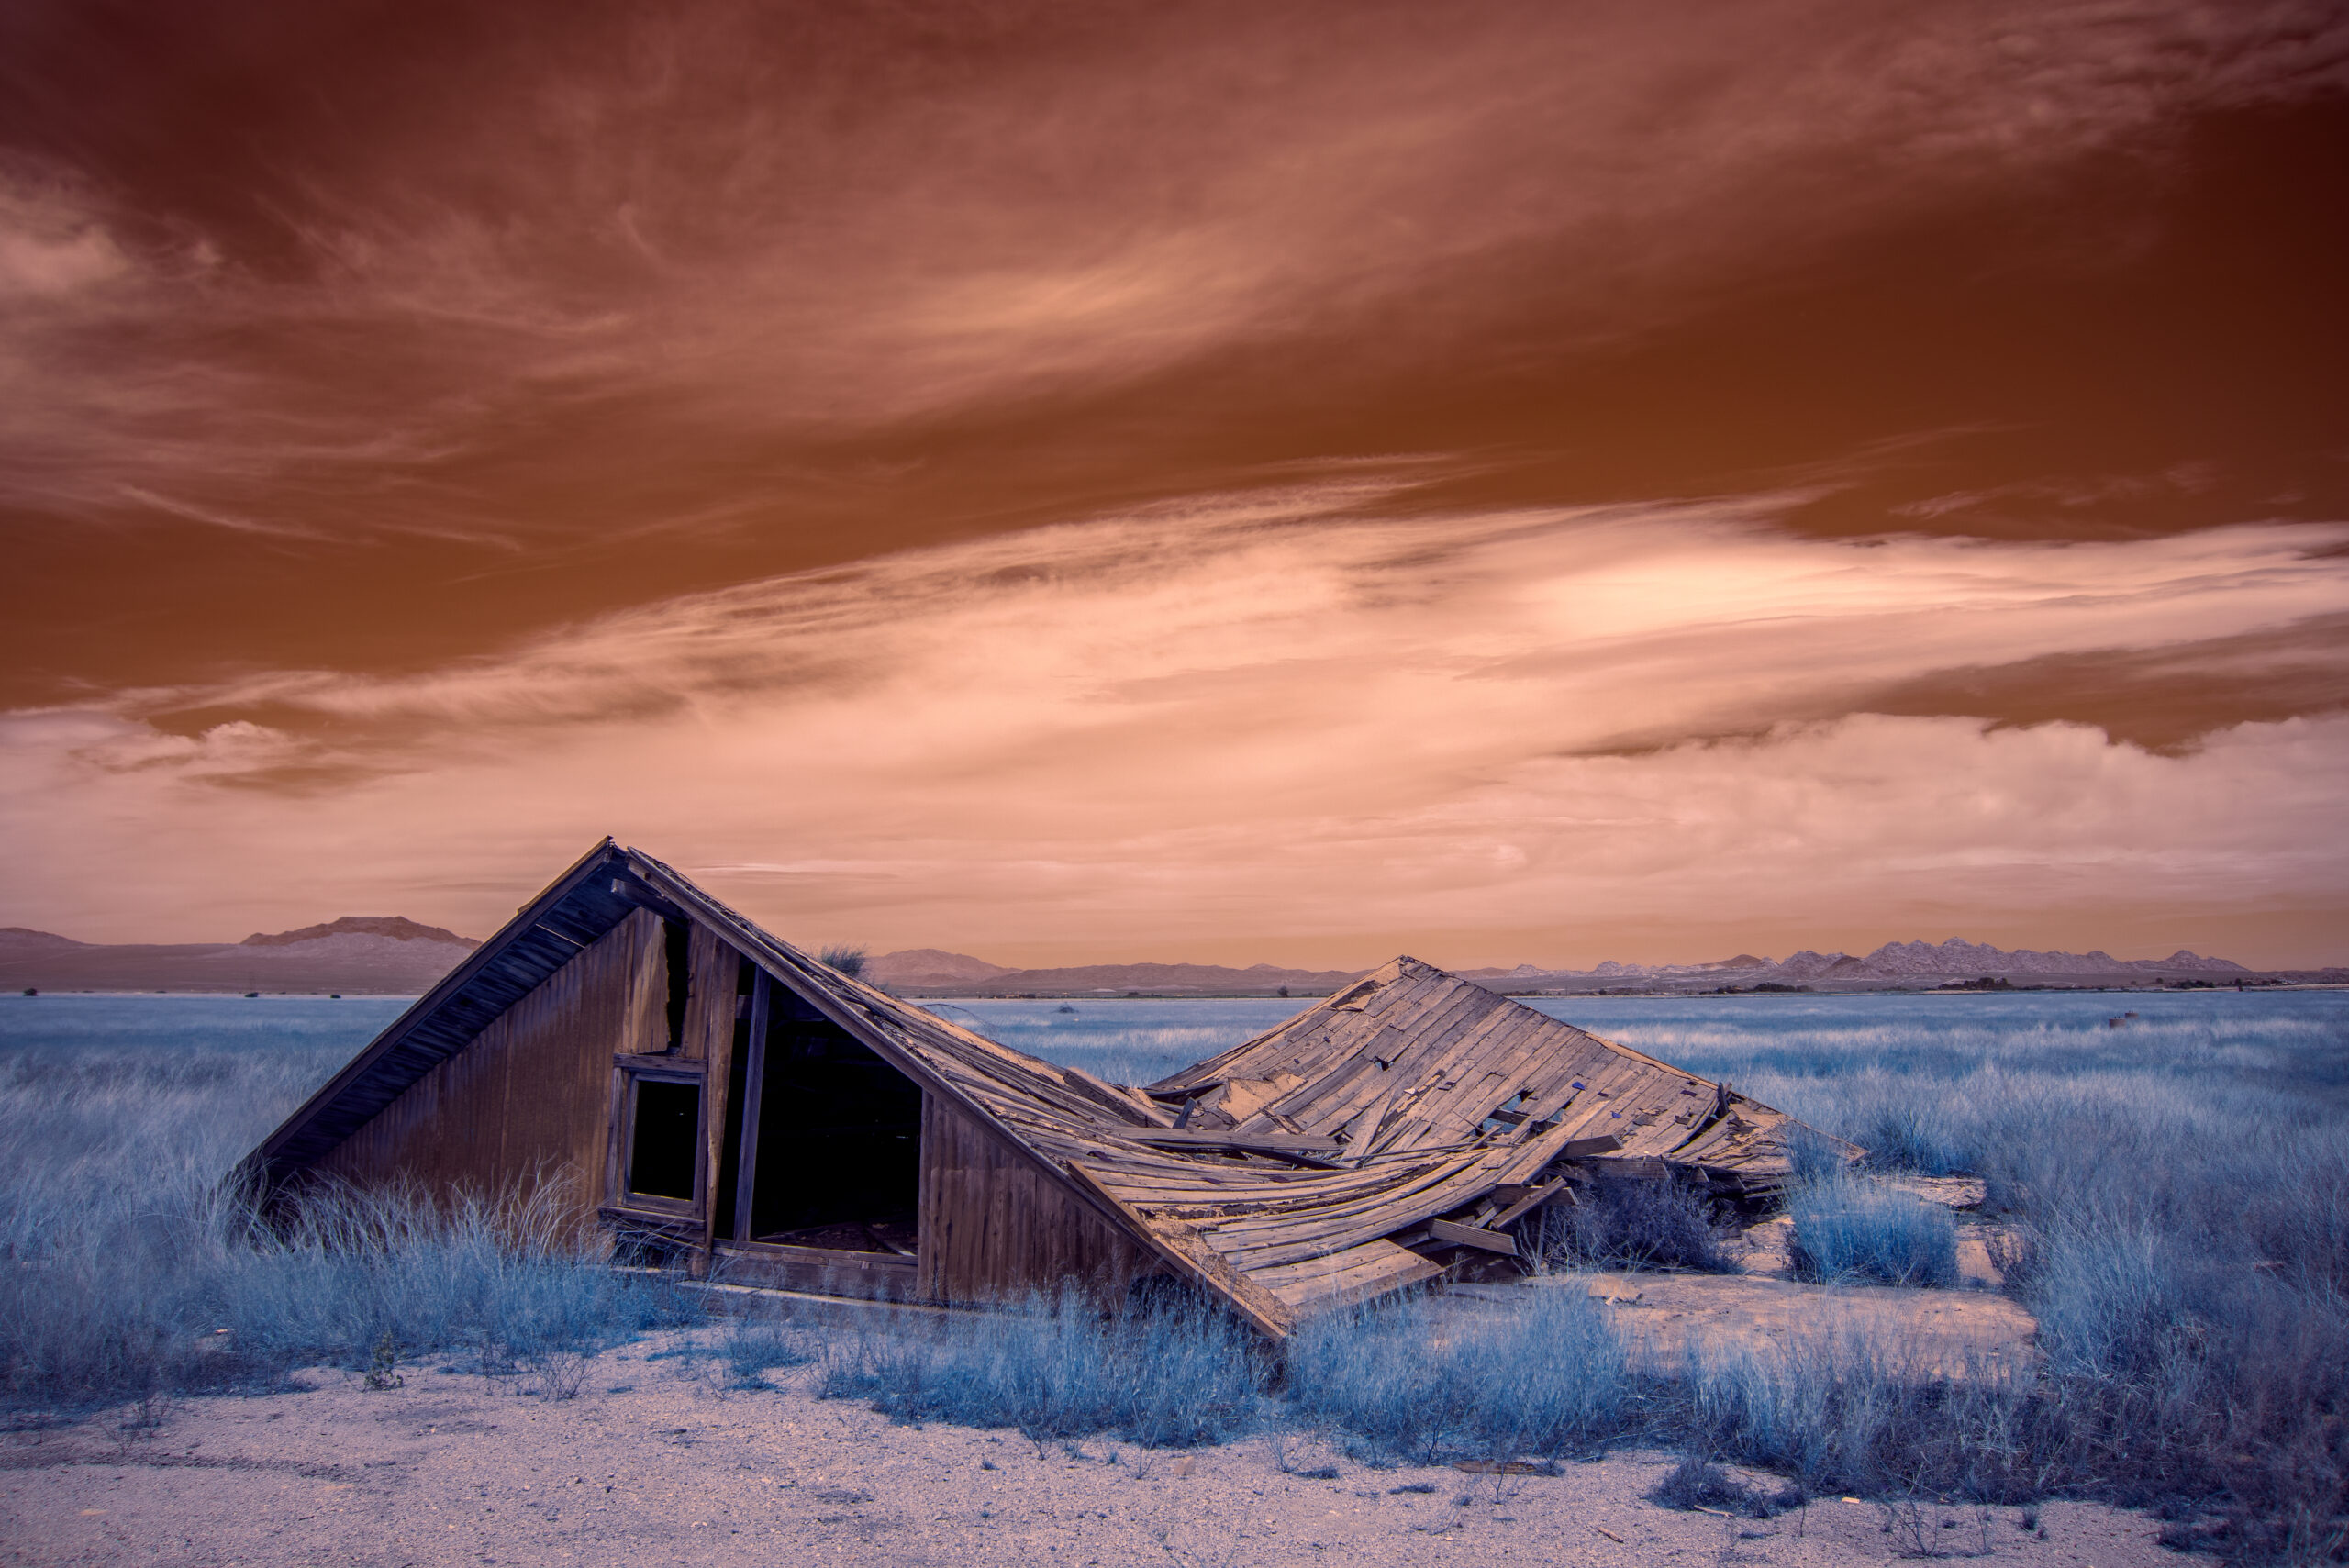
x=531, y=1097
x=715, y=970
x=994, y=1227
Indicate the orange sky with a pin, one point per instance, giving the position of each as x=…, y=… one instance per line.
x=1519, y=482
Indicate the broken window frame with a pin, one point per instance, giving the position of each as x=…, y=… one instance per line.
x=631, y=1072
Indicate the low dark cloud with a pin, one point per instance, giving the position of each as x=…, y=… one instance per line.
x=369, y=334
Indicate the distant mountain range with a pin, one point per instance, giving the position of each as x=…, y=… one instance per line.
x=1894, y=963
x=362, y=954
x=929, y=970
x=926, y=970
x=384, y=954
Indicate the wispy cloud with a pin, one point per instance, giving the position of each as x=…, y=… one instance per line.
x=1272, y=720
x=1104, y=477
x=789, y=229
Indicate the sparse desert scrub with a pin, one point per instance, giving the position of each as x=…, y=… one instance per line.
x=1168, y=1371
x=1846, y=1228
x=129, y=1269
x=1839, y=1412
x=1549, y=1379
x=2174, y=1196
x=1636, y=1225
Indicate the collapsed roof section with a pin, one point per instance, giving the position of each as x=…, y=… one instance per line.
x=1410, y=1060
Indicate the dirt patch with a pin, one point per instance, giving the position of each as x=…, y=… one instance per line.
x=1960, y=1193
x=669, y=1466
x=1927, y=1333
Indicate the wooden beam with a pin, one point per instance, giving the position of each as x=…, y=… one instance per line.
x=1472, y=1236
x=1314, y=1153
x=755, y=1078
x=1194, y=1260
x=1529, y=1201
x=1187, y=1092
x=1261, y=1142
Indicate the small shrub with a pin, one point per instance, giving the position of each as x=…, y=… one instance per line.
x=1173, y=1372
x=383, y=1366
x=1547, y=1378
x=1700, y=1483
x=753, y=1347
x=1846, y=1228
x=1848, y=1412
x=189, y=1291
x=849, y=961
x=1637, y=1225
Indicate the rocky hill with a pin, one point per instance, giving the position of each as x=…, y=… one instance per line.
x=357, y=954
x=397, y=928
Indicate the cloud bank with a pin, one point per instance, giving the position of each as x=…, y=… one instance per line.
x=1274, y=724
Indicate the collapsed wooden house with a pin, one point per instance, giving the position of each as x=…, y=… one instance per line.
x=707, y=1091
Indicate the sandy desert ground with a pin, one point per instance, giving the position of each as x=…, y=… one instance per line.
x=655, y=1461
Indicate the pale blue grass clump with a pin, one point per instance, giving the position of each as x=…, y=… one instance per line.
x=1843, y=1410
x=180, y=1288
x=128, y=1267
x=2170, y=1198
x=1665, y=1227
x=1846, y=1228
x=1168, y=1373
x=1396, y=1380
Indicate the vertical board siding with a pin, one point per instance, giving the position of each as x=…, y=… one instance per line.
x=995, y=1228
x=530, y=1098
x=644, y=1018
x=714, y=970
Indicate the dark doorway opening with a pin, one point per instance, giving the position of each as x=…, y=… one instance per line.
x=665, y=1139
x=836, y=1160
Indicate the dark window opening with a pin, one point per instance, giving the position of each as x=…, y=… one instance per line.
x=667, y=1131
x=839, y=1158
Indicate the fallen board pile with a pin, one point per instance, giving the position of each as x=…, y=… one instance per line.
x=1367, y=1144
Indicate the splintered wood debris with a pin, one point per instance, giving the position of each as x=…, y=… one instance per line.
x=1366, y=1144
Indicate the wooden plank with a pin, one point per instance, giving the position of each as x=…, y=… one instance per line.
x=754, y=1079
x=530, y=1097
x=1441, y=1046
x=1622, y=1170
x=1522, y=1206
x=1399, y=1187
x=1193, y=1259
x=1203, y=1138
x=1472, y=1236
x=1456, y=1056
x=1457, y=1186
x=995, y=1226
x=1594, y=1111
x=1252, y=1245
x=1342, y=1279
x=1483, y=1065
x=876, y=1276
x=644, y=1027
x=714, y=971
x=437, y=1022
